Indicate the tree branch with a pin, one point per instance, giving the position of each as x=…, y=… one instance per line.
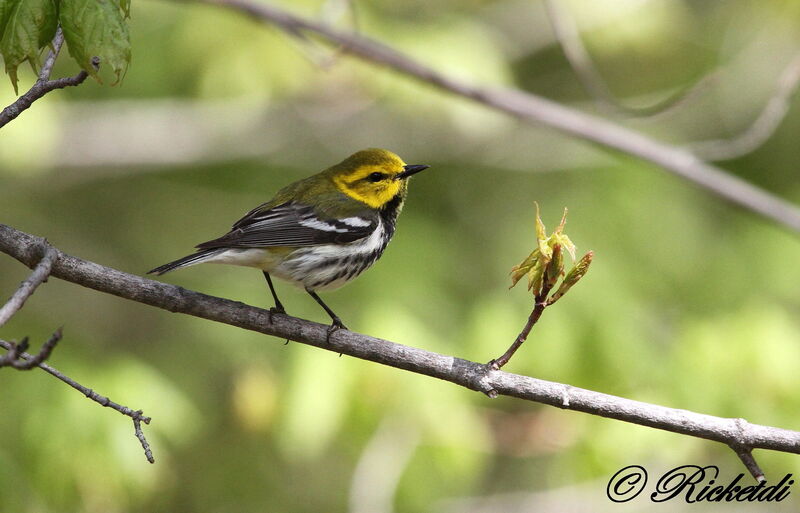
x=535, y=109
x=49, y=62
x=539, y=304
x=38, y=361
x=27, y=287
x=17, y=357
x=474, y=376
x=44, y=85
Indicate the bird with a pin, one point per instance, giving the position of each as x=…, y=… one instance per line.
x=320, y=232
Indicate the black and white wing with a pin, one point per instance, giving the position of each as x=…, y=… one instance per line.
x=293, y=224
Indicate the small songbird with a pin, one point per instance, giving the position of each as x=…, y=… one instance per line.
x=320, y=232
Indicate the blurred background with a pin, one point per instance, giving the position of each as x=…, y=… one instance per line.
x=690, y=302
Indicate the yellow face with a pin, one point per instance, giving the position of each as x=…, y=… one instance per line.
x=371, y=176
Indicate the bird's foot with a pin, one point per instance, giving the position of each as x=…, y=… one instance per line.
x=335, y=326
x=276, y=310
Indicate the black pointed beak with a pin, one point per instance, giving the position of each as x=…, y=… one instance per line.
x=412, y=170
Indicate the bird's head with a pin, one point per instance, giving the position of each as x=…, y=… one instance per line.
x=373, y=176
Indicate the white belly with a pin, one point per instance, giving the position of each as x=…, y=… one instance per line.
x=260, y=258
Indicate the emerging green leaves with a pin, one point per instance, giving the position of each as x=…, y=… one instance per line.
x=92, y=28
x=96, y=28
x=545, y=265
x=572, y=277
x=26, y=26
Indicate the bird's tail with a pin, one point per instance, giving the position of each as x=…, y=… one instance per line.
x=196, y=258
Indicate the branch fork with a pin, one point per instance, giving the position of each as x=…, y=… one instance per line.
x=44, y=85
x=17, y=358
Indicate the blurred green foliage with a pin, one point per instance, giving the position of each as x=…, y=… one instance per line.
x=690, y=303
x=92, y=29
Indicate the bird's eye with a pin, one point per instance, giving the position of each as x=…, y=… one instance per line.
x=376, y=177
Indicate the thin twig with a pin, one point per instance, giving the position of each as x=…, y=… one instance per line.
x=465, y=373
x=38, y=90
x=137, y=416
x=746, y=455
x=27, y=287
x=58, y=41
x=535, y=109
x=539, y=304
x=745, y=452
x=762, y=128
x=569, y=38
x=13, y=352
x=43, y=85
x=16, y=355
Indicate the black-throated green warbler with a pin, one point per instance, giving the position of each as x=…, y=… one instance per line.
x=320, y=232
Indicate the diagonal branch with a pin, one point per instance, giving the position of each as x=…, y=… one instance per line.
x=27, y=287
x=30, y=361
x=44, y=85
x=539, y=304
x=465, y=373
x=535, y=109
x=49, y=62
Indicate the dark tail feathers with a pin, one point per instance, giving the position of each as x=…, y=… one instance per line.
x=186, y=261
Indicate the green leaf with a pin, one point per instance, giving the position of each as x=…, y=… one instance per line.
x=28, y=25
x=536, y=277
x=562, y=240
x=524, y=267
x=6, y=6
x=545, y=265
x=572, y=277
x=541, y=235
x=125, y=5
x=555, y=269
x=96, y=28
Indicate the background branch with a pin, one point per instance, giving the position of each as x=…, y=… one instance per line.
x=535, y=109
x=474, y=376
x=568, y=36
x=765, y=124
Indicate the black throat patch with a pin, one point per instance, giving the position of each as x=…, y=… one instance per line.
x=390, y=211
